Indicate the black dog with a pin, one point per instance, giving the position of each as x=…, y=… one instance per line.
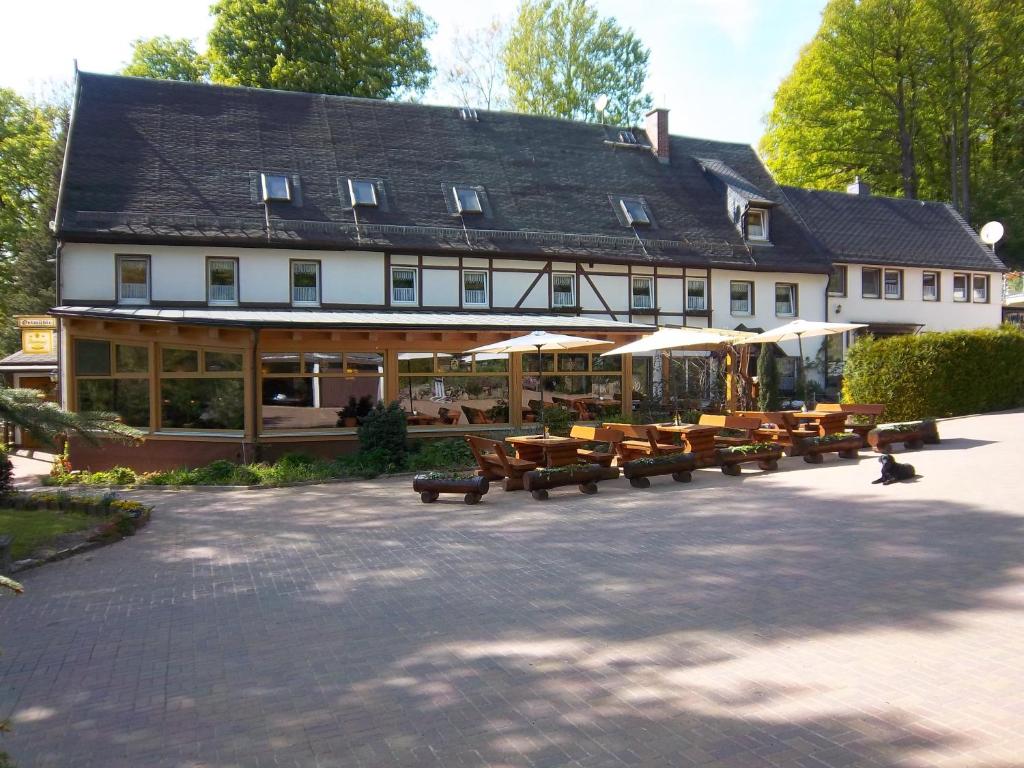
x=893, y=471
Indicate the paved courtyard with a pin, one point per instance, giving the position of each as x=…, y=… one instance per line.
x=800, y=618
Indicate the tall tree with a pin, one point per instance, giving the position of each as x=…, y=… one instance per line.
x=343, y=47
x=165, y=58
x=921, y=97
x=31, y=145
x=561, y=56
x=476, y=72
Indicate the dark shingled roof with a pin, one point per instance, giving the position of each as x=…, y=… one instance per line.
x=154, y=161
x=888, y=230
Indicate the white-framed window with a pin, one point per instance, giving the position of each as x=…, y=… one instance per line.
x=404, y=285
x=979, y=286
x=474, y=288
x=467, y=200
x=870, y=283
x=306, y=283
x=757, y=224
x=563, y=289
x=837, y=281
x=785, y=300
x=275, y=187
x=643, y=293
x=930, y=286
x=960, y=287
x=696, y=294
x=362, y=193
x=741, y=297
x=894, y=283
x=634, y=212
x=222, y=281
x=133, y=279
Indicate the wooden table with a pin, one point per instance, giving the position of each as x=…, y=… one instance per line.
x=547, y=451
x=698, y=439
x=827, y=422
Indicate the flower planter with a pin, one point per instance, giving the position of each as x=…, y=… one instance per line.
x=913, y=435
x=814, y=448
x=730, y=459
x=586, y=476
x=679, y=465
x=430, y=488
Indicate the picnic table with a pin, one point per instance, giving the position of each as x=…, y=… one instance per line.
x=546, y=451
x=419, y=419
x=698, y=439
x=826, y=422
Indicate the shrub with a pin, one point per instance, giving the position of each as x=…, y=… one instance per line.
x=368, y=464
x=767, y=381
x=558, y=419
x=384, y=429
x=6, y=471
x=449, y=454
x=937, y=374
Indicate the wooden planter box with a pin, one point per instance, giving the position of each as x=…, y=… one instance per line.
x=586, y=476
x=813, y=451
x=930, y=432
x=730, y=461
x=430, y=489
x=912, y=439
x=679, y=465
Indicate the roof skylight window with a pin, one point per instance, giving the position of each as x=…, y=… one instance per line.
x=467, y=200
x=469, y=114
x=627, y=137
x=362, y=193
x=276, y=187
x=635, y=212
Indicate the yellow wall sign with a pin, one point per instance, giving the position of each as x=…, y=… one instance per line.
x=38, y=334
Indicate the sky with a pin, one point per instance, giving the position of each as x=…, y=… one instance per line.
x=715, y=64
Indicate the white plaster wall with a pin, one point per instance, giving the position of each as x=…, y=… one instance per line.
x=670, y=294
x=353, y=277
x=615, y=291
x=942, y=315
x=178, y=276
x=87, y=273
x=440, y=287
x=810, y=301
x=509, y=286
x=263, y=276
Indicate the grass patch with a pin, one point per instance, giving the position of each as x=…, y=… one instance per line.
x=34, y=528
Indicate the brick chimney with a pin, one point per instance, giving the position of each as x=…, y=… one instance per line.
x=657, y=133
x=858, y=187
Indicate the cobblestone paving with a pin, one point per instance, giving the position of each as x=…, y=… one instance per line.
x=800, y=618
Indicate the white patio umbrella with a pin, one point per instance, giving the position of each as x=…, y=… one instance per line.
x=798, y=329
x=539, y=341
x=702, y=339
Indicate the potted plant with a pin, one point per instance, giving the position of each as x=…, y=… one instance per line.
x=766, y=455
x=679, y=465
x=586, y=476
x=349, y=415
x=846, y=444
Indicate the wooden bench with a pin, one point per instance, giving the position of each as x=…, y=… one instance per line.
x=871, y=411
x=476, y=416
x=641, y=440
x=612, y=437
x=495, y=464
x=787, y=431
x=744, y=424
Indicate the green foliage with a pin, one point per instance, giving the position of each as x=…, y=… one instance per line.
x=919, y=97
x=558, y=420
x=384, y=428
x=746, y=450
x=6, y=471
x=768, y=398
x=344, y=47
x=166, y=58
x=937, y=374
x=31, y=147
x=560, y=56
x=29, y=410
x=33, y=529
x=450, y=454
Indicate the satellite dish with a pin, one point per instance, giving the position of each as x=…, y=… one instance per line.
x=992, y=233
x=601, y=103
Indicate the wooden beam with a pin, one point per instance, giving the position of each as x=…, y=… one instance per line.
x=296, y=336
x=214, y=333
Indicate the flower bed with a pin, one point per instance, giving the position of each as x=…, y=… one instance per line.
x=766, y=455
x=586, y=476
x=430, y=485
x=679, y=465
x=913, y=435
x=846, y=444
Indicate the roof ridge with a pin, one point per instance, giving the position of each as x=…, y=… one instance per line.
x=989, y=251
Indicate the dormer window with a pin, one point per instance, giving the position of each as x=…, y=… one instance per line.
x=362, y=193
x=467, y=200
x=757, y=224
x=634, y=212
x=276, y=187
x=627, y=137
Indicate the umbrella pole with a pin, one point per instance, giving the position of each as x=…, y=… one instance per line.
x=800, y=368
x=540, y=384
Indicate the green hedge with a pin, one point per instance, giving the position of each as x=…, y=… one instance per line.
x=937, y=374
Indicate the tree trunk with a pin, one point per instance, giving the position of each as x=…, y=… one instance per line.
x=908, y=170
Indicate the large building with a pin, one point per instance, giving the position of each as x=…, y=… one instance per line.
x=242, y=267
